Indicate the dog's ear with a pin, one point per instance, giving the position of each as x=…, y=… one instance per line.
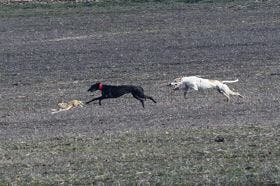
x=178, y=79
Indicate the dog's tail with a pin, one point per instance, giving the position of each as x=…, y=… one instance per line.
x=230, y=81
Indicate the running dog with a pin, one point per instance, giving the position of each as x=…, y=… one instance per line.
x=110, y=91
x=67, y=106
x=197, y=83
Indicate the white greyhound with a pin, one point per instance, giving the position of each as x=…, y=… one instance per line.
x=197, y=83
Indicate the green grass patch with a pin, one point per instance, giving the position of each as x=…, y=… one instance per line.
x=249, y=155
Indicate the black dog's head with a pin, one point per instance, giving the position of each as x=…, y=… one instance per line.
x=94, y=87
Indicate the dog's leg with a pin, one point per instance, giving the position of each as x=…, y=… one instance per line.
x=185, y=94
x=194, y=86
x=142, y=102
x=222, y=91
x=236, y=94
x=94, y=99
x=227, y=96
x=140, y=99
x=140, y=95
x=99, y=102
x=149, y=97
x=185, y=91
x=229, y=92
x=240, y=95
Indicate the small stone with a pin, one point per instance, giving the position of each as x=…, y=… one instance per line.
x=219, y=139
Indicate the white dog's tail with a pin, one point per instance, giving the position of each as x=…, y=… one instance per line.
x=230, y=81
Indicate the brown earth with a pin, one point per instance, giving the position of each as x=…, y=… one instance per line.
x=48, y=57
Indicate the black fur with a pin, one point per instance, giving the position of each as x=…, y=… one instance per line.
x=110, y=91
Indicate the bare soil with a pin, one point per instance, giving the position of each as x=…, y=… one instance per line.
x=47, y=57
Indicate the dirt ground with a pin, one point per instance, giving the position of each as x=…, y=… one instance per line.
x=47, y=59
x=50, y=57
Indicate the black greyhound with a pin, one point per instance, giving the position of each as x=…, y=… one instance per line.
x=109, y=91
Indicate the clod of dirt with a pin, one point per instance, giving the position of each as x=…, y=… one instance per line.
x=248, y=168
x=219, y=139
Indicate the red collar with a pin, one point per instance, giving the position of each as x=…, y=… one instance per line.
x=100, y=86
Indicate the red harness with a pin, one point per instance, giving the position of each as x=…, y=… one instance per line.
x=100, y=86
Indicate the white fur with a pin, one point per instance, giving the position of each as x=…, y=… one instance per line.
x=197, y=83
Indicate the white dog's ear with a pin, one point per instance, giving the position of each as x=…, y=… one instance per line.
x=179, y=78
